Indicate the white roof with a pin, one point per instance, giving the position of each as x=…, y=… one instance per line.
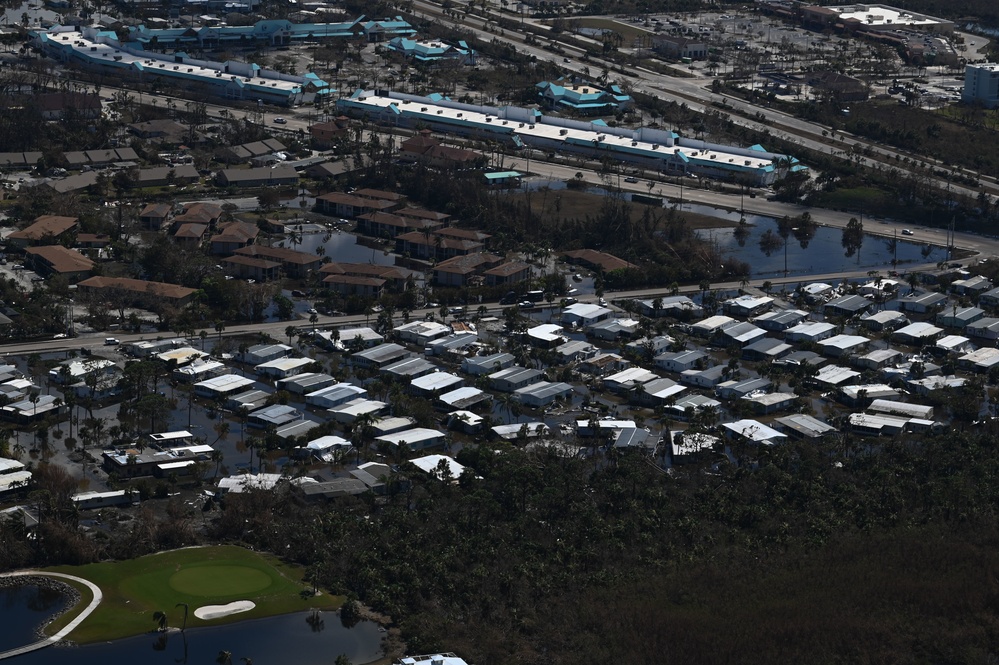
x=844, y=341
x=901, y=408
x=835, y=375
x=225, y=383
x=607, y=424
x=952, y=341
x=884, y=316
x=435, y=381
x=459, y=394
x=8, y=480
x=870, y=390
x=632, y=375
x=512, y=430
x=327, y=442
x=181, y=355
x=410, y=436
x=754, y=431
x=171, y=436
x=8, y=465
x=358, y=406
x=283, y=364
x=430, y=462
x=548, y=332
x=714, y=322
x=919, y=329
x=985, y=356
x=810, y=329
x=749, y=302
x=816, y=288
x=696, y=150
x=585, y=310
x=363, y=332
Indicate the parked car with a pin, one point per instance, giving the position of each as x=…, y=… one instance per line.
x=280, y=121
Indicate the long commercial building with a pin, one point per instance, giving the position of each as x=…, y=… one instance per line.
x=650, y=148
x=100, y=50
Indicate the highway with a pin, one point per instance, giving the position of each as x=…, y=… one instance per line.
x=693, y=93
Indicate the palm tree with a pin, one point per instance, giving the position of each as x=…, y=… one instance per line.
x=184, y=605
x=224, y=658
x=160, y=618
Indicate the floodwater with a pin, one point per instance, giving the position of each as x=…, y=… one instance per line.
x=824, y=252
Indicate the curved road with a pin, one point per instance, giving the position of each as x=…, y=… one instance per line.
x=68, y=628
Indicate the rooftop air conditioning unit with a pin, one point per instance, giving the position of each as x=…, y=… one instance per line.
x=423, y=109
x=459, y=115
x=748, y=162
x=440, y=111
x=563, y=132
x=655, y=146
x=634, y=143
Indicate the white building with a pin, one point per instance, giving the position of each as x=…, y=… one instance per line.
x=981, y=85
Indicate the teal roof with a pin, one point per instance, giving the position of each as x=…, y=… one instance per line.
x=503, y=174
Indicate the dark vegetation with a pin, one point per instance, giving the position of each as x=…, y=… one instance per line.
x=823, y=553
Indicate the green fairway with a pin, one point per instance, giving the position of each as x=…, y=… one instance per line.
x=134, y=590
x=213, y=581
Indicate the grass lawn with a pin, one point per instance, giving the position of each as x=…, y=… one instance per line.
x=134, y=590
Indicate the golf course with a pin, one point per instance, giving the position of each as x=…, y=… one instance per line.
x=179, y=582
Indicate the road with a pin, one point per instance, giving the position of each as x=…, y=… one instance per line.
x=694, y=93
x=95, y=590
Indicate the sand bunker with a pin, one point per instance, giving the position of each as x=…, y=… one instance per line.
x=209, y=612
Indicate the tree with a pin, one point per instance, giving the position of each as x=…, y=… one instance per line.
x=224, y=658
x=160, y=618
x=219, y=328
x=186, y=609
x=853, y=237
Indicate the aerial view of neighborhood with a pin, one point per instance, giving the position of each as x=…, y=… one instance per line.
x=487, y=332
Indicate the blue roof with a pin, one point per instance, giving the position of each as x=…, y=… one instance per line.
x=503, y=174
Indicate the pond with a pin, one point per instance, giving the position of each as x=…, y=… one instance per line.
x=316, y=639
x=823, y=254
x=24, y=608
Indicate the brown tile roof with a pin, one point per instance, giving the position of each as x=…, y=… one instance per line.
x=240, y=260
x=352, y=279
x=509, y=268
x=156, y=210
x=138, y=286
x=417, y=238
x=193, y=231
x=362, y=270
x=470, y=263
x=355, y=201
x=279, y=254
x=61, y=259
x=606, y=262
x=45, y=225
x=240, y=232
x=202, y=213
x=466, y=234
x=420, y=213
x=378, y=194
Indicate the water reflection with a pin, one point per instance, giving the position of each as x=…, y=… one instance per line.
x=264, y=641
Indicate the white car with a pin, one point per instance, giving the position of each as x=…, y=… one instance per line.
x=906, y=232
x=111, y=341
x=280, y=121
x=60, y=336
